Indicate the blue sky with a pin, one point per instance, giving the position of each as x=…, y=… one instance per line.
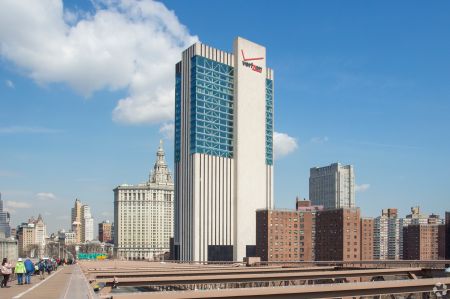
x=85, y=96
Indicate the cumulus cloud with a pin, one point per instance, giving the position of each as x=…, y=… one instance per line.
x=9, y=83
x=283, y=144
x=362, y=187
x=121, y=44
x=45, y=196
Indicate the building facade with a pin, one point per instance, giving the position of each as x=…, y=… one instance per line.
x=286, y=235
x=105, y=232
x=388, y=235
x=223, y=150
x=87, y=224
x=338, y=236
x=4, y=220
x=447, y=235
x=8, y=248
x=424, y=242
x=332, y=186
x=143, y=215
x=366, y=239
x=31, y=237
x=76, y=220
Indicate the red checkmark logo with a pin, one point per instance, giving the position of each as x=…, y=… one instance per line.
x=248, y=59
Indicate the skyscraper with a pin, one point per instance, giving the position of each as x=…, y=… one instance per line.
x=223, y=150
x=76, y=220
x=87, y=224
x=332, y=186
x=143, y=214
x=4, y=220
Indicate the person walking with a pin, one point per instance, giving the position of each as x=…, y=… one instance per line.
x=42, y=269
x=48, y=267
x=6, y=270
x=29, y=270
x=20, y=271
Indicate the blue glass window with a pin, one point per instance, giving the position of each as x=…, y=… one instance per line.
x=177, y=116
x=269, y=122
x=212, y=88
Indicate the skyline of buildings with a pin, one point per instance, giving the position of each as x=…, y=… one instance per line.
x=223, y=150
x=5, y=219
x=143, y=214
x=82, y=223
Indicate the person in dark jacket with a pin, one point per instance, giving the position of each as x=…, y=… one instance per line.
x=29, y=268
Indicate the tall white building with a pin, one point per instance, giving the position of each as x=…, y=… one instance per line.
x=223, y=150
x=87, y=226
x=388, y=236
x=143, y=214
x=333, y=186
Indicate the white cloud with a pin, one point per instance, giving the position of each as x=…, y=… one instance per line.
x=25, y=129
x=17, y=204
x=362, y=187
x=122, y=44
x=9, y=83
x=319, y=140
x=45, y=196
x=283, y=144
x=167, y=130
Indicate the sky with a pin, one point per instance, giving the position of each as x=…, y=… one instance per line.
x=87, y=92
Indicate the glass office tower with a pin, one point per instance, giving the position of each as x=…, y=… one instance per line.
x=223, y=150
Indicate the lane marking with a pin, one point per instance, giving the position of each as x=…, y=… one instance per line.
x=68, y=285
x=36, y=285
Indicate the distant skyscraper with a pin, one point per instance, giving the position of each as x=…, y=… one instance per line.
x=87, y=224
x=4, y=220
x=332, y=186
x=76, y=220
x=143, y=214
x=223, y=150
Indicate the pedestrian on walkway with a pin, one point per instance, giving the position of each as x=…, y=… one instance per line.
x=29, y=270
x=6, y=270
x=20, y=271
x=42, y=269
x=48, y=267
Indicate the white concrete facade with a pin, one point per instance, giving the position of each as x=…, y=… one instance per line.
x=143, y=215
x=216, y=197
x=333, y=186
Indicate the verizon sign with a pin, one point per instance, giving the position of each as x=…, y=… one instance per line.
x=246, y=62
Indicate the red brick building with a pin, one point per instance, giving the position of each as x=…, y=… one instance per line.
x=286, y=235
x=424, y=242
x=366, y=238
x=338, y=235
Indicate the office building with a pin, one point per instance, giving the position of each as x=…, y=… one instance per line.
x=4, y=220
x=143, y=214
x=366, y=239
x=286, y=235
x=105, y=232
x=87, y=224
x=338, y=235
x=31, y=237
x=332, y=186
x=424, y=242
x=223, y=150
x=75, y=223
x=388, y=235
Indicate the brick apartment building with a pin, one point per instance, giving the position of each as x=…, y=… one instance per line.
x=424, y=241
x=447, y=235
x=286, y=235
x=338, y=235
x=366, y=238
